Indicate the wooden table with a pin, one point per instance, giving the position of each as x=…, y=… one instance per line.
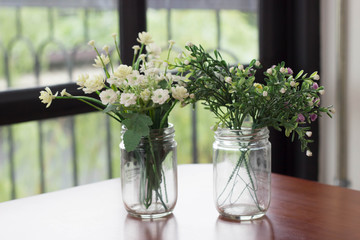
x=299, y=209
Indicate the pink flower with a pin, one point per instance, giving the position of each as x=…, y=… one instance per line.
x=290, y=71
x=313, y=117
x=300, y=118
x=315, y=86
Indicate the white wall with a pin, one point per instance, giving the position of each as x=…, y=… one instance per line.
x=329, y=70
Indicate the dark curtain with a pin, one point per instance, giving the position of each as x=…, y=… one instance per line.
x=290, y=32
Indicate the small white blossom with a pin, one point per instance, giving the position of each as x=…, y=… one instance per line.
x=136, y=49
x=308, y=153
x=165, y=64
x=257, y=63
x=106, y=49
x=189, y=44
x=308, y=133
x=91, y=43
x=114, y=36
x=283, y=70
x=316, y=77
x=160, y=96
x=94, y=83
x=179, y=93
x=192, y=96
x=332, y=110
x=98, y=62
x=322, y=91
x=81, y=79
x=115, y=81
x=241, y=67
x=122, y=71
x=153, y=49
x=228, y=80
x=269, y=71
x=292, y=83
x=265, y=93
x=231, y=69
x=171, y=43
x=144, y=38
x=282, y=90
x=65, y=93
x=47, y=96
x=310, y=103
x=108, y=96
x=128, y=99
x=145, y=95
x=186, y=62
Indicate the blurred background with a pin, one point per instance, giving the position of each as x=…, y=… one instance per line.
x=44, y=43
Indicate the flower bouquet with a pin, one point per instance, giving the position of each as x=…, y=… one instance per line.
x=140, y=97
x=245, y=109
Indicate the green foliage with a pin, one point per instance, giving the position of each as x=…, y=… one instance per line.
x=234, y=97
x=137, y=126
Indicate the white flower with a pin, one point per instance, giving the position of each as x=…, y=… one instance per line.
x=153, y=49
x=269, y=71
x=265, y=93
x=136, y=49
x=293, y=83
x=322, y=91
x=179, y=93
x=65, y=93
x=189, y=44
x=316, y=77
x=186, y=62
x=108, y=96
x=171, y=43
x=332, y=110
x=257, y=63
x=94, y=83
x=308, y=133
x=231, y=69
x=106, y=49
x=122, y=71
x=133, y=78
x=308, y=153
x=228, y=80
x=283, y=70
x=282, y=90
x=91, y=43
x=144, y=38
x=114, y=36
x=310, y=103
x=81, y=79
x=115, y=81
x=47, y=96
x=160, y=96
x=241, y=67
x=98, y=63
x=192, y=96
x=145, y=95
x=128, y=99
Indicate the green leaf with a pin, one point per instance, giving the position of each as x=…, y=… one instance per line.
x=110, y=108
x=163, y=84
x=299, y=74
x=137, y=126
x=313, y=74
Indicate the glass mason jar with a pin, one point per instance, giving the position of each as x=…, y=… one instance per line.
x=149, y=174
x=242, y=172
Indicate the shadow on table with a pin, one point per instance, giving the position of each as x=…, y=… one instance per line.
x=150, y=229
x=250, y=230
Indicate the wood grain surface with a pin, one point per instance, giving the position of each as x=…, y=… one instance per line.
x=299, y=209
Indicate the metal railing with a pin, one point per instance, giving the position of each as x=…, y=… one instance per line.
x=69, y=58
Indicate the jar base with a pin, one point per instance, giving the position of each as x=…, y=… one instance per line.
x=154, y=211
x=241, y=212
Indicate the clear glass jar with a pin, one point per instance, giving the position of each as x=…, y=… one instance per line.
x=149, y=175
x=242, y=172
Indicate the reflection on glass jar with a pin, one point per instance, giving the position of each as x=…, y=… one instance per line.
x=149, y=175
x=242, y=172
